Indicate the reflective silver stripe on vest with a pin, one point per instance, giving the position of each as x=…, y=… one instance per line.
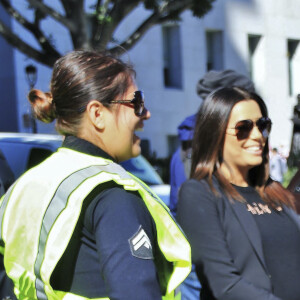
x=39, y=286
x=58, y=204
x=2, y=210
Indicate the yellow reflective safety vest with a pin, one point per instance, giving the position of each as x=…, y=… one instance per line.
x=39, y=213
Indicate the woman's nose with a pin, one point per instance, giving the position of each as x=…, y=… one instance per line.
x=256, y=133
x=147, y=114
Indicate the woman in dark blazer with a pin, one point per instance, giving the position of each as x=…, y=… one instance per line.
x=244, y=233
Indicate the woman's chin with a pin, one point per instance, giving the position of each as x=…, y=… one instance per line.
x=136, y=151
x=136, y=139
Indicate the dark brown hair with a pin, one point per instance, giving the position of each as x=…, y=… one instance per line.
x=77, y=78
x=208, y=144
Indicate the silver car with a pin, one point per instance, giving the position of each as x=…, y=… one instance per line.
x=25, y=150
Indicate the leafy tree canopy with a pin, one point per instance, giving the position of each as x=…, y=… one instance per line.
x=92, y=28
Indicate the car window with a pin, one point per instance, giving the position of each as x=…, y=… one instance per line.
x=22, y=156
x=36, y=156
x=16, y=156
x=142, y=169
x=25, y=154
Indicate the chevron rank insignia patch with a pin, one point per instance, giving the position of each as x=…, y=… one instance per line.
x=140, y=245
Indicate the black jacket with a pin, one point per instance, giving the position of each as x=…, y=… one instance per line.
x=229, y=258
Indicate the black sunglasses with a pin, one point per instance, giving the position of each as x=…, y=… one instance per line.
x=138, y=102
x=243, y=128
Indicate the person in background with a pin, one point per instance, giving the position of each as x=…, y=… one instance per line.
x=78, y=225
x=180, y=166
x=243, y=230
x=278, y=165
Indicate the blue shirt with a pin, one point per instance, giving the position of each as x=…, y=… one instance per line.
x=98, y=261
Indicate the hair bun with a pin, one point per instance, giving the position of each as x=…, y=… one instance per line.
x=42, y=105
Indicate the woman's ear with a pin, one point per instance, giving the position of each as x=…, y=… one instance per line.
x=95, y=111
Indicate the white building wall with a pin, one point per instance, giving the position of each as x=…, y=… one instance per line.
x=275, y=20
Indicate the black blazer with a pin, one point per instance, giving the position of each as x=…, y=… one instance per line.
x=226, y=244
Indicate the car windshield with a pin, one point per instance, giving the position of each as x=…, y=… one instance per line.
x=25, y=151
x=142, y=169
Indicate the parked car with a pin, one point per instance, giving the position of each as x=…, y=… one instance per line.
x=25, y=150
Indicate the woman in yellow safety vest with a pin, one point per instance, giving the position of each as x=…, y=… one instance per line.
x=78, y=226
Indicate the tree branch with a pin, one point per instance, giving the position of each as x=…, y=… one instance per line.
x=104, y=31
x=16, y=15
x=98, y=5
x=137, y=34
x=35, y=30
x=108, y=16
x=174, y=8
x=52, y=13
x=101, y=12
x=169, y=10
x=76, y=14
x=15, y=41
x=162, y=14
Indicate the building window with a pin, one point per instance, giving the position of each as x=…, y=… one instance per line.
x=214, y=50
x=253, y=41
x=172, y=56
x=293, y=50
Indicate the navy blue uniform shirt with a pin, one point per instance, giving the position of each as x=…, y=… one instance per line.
x=113, y=252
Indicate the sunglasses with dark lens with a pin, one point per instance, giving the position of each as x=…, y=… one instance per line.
x=138, y=102
x=243, y=128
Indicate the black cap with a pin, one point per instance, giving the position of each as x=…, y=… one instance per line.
x=216, y=79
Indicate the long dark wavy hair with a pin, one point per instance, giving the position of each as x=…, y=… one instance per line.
x=208, y=145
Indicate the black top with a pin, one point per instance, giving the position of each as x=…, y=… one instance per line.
x=100, y=260
x=281, y=244
x=233, y=259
